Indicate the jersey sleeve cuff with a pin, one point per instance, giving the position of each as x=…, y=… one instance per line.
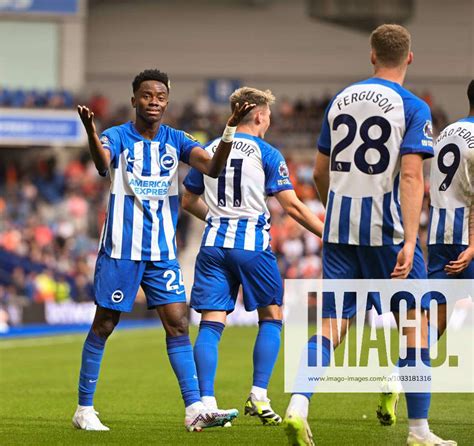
x=275, y=190
x=194, y=189
x=324, y=150
x=425, y=153
x=185, y=155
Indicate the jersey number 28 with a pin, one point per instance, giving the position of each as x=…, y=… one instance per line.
x=368, y=143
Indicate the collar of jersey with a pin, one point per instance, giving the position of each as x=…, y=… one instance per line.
x=467, y=119
x=382, y=81
x=137, y=133
x=246, y=135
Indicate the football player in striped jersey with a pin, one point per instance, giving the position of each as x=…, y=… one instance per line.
x=235, y=249
x=451, y=226
x=369, y=173
x=137, y=245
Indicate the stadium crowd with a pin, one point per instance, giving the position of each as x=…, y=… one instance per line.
x=51, y=213
x=22, y=98
x=295, y=123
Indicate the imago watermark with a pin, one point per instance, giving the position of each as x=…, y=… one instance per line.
x=369, y=335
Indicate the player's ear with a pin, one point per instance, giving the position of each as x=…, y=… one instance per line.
x=373, y=57
x=257, y=118
x=410, y=58
x=134, y=102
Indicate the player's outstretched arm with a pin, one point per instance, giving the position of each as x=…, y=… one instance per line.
x=296, y=209
x=411, y=201
x=100, y=156
x=194, y=204
x=321, y=176
x=213, y=167
x=465, y=258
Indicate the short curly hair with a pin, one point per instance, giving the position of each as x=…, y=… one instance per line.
x=150, y=75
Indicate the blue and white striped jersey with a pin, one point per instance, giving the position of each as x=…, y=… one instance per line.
x=452, y=184
x=143, y=203
x=367, y=127
x=238, y=215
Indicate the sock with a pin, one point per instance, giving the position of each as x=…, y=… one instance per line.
x=299, y=404
x=260, y=394
x=209, y=401
x=419, y=427
x=418, y=403
x=265, y=351
x=206, y=353
x=194, y=408
x=92, y=353
x=180, y=354
x=312, y=355
x=433, y=334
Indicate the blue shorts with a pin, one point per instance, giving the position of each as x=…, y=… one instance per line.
x=440, y=255
x=341, y=261
x=220, y=271
x=116, y=282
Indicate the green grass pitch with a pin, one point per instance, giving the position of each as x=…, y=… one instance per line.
x=138, y=398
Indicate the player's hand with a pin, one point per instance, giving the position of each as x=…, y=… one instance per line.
x=404, y=262
x=239, y=112
x=458, y=266
x=87, y=118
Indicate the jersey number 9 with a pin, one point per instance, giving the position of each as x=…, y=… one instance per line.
x=448, y=169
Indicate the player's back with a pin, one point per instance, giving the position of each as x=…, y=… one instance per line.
x=452, y=184
x=366, y=129
x=238, y=215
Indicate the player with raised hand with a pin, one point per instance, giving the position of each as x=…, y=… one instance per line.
x=451, y=227
x=236, y=251
x=137, y=245
x=369, y=174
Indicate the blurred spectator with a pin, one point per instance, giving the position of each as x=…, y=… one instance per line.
x=58, y=99
x=99, y=104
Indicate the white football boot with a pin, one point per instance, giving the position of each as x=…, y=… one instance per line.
x=428, y=440
x=206, y=417
x=86, y=418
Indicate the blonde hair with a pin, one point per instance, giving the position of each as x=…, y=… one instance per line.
x=252, y=96
x=391, y=44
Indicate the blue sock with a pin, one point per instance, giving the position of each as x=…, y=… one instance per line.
x=265, y=351
x=312, y=354
x=205, y=354
x=180, y=353
x=91, y=358
x=418, y=403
